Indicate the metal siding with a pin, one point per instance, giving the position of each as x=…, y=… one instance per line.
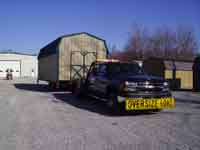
x=27, y=65
x=28, y=62
x=10, y=64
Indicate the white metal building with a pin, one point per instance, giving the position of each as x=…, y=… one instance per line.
x=22, y=65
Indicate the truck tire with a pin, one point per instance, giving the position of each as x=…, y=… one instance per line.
x=156, y=110
x=112, y=103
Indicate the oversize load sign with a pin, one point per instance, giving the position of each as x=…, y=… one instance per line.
x=152, y=103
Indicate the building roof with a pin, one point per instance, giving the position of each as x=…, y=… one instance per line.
x=168, y=64
x=180, y=65
x=17, y=53
x=187, y=66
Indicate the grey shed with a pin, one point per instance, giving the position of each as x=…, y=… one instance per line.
x=69, y=57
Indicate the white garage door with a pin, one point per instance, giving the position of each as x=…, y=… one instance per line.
x=11, y=64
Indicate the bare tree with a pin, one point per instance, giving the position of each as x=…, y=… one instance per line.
x=164, y=42
x=186, y=43
x=137, y=43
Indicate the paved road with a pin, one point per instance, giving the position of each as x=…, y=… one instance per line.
x=33, y=118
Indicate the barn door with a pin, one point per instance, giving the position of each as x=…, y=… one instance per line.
x=80, y=62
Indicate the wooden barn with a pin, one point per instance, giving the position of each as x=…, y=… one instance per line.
x=69, y=57
x=179, y=73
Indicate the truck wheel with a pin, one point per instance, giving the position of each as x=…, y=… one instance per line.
x=113, y=104
x=156, y=110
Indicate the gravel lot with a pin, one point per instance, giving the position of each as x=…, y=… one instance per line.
x=34, y=118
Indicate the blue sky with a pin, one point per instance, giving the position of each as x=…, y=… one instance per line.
x=26, y=26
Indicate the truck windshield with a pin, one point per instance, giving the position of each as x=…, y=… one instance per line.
x=128, y=68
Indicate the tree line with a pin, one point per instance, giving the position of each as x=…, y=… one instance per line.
x=167, y=43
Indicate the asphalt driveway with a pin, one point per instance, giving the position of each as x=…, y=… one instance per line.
x=34, y=118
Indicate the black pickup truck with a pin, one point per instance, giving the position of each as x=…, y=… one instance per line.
x=124, y=86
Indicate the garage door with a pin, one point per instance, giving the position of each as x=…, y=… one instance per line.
x=14, y=65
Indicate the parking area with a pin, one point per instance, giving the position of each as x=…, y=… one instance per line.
x=34, y=118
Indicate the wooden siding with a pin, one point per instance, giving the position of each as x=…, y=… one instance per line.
x=82, y=42
x=186, y=79
x=48, y=68
x=168, y=74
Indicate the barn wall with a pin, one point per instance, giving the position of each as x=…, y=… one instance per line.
x=186, y=79
x=81, y=42
x=168, y=74
x=48, y=68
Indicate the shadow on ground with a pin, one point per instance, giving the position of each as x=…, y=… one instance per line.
x=36, y=87
x=86, y=103
x=33, y=87
x=92, y=105
x=188, y=101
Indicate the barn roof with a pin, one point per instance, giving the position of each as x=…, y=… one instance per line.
x=74, y=34
x=49, y=49
x=17, y=53
x=184, y=65
x=52, y=47
x=168, y=64
x=180, y=65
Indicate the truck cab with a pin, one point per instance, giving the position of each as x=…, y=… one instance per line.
x=125, y=86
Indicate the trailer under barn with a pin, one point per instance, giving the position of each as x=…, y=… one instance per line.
x=69, y=57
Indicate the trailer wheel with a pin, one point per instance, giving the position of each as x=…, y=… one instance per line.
x=50, y=84
x=77, y=88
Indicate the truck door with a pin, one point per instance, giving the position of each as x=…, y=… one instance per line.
x=92, y=79
x=102, y=80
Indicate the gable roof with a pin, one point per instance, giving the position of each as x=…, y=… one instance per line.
x=180, y=65
x=51, y=48
x=79, y=33
x=168, y=64
x=187, y=66
x=17, y=53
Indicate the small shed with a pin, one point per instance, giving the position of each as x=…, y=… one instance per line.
x=69, y=57
x=196, y=74
x=171, y=70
